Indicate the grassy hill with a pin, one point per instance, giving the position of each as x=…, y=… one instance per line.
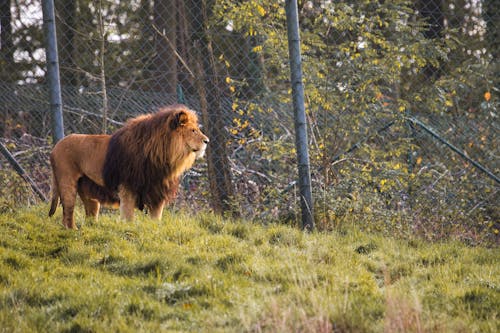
x=204, y=273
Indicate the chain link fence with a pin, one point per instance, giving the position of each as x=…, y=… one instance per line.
x=379, y=77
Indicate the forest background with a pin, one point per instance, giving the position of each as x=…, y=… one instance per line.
x=380, y=77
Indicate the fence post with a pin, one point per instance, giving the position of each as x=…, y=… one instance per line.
x=54, y=84
x=301, y=142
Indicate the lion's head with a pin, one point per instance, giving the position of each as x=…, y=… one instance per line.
x=152, y=151
x=186, y=132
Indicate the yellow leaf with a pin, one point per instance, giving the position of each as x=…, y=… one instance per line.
x=261, y=10
x=448, y=103
x=419, y=160
x=487, y=96
x=232, y=89
x=257, y=49
x=228, y=80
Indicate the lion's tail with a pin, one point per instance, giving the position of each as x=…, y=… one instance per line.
x=55, y=191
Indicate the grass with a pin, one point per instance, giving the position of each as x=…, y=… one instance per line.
x=201, y=272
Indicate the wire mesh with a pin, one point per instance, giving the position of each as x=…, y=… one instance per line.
x=369, y=67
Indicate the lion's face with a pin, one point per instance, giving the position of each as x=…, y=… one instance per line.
x=196, y=141
x=186, y=125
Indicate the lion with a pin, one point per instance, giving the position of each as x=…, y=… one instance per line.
x=138, y=166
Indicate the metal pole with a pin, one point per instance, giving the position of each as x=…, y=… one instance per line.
x=301, y=142
x=54, y=84
x=455, y=149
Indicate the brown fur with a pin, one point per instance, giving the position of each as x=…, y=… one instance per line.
x=73, y=157
x=147, y=156
x=93, y=196
x=142, y=162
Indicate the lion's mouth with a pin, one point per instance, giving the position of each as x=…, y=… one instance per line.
x=198, y=152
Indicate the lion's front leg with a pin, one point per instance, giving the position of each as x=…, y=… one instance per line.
x=157, y=212
x=127, y=203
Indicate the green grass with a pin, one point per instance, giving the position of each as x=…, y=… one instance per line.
x=204, y=273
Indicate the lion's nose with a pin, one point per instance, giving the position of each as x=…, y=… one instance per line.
x=206, y=141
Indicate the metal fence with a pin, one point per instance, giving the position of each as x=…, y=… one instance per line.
x=380, y=77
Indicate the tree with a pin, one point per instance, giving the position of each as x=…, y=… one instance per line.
x=6, y=43
x=492, y=17
x=431, y=11
x=211, y=98
x=165, y=59
x=66, y=16
x=6, y=55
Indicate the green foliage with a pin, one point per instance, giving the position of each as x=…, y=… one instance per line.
x=32, y=154
x=14, y=191
x=365, y=64
x=191, y=273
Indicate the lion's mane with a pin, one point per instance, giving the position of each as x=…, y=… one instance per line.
x=147, y=156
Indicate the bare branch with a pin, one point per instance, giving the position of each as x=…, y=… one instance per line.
x=183, y=62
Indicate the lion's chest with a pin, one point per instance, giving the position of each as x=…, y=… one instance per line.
x=179, y=166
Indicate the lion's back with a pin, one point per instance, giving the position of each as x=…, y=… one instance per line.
x=82, y=153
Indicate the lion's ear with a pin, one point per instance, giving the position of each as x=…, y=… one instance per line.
x=180, y=119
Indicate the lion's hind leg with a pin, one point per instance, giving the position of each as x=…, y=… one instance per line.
x=63, y=190
x=68, y=198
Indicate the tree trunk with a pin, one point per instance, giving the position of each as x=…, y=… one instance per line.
x=211, y=96
x=6, y=59
x=165, y=61
x=432, y=12
x=184, y=76
x=66, y=27
x=492, y=17
x=6, y=43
